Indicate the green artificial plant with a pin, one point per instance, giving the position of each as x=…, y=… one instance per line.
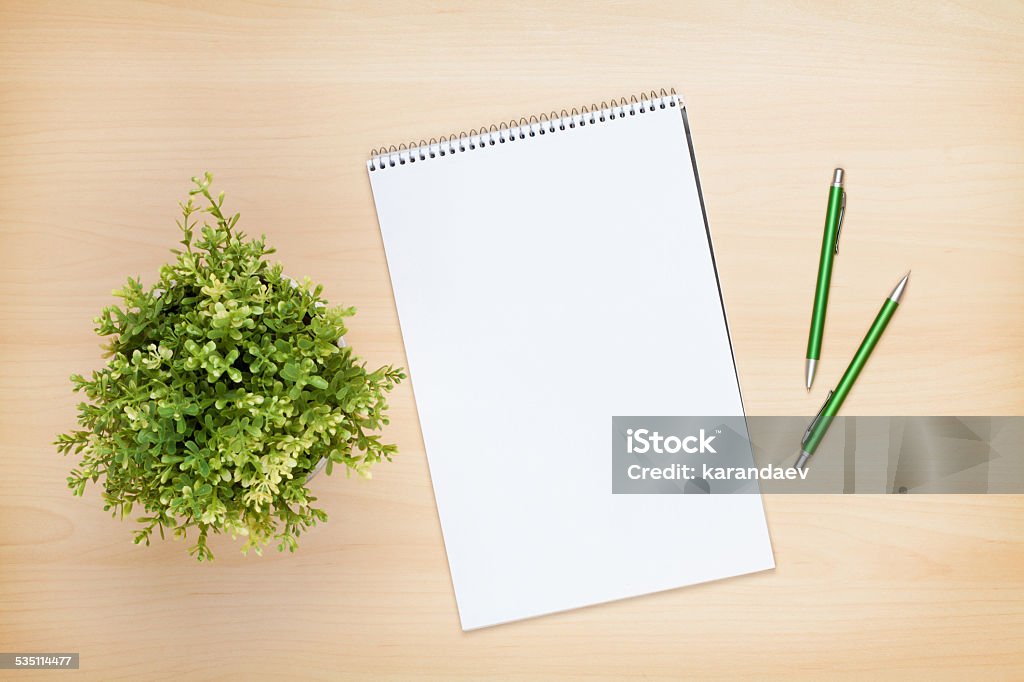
x=227, y=383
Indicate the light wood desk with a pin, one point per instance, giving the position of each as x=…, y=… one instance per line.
x=106, y=110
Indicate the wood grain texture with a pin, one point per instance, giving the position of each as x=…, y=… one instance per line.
x=106, y=110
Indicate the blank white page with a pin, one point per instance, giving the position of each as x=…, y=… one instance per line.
x=544, y=285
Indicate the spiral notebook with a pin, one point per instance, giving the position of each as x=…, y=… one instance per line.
x=550, y=274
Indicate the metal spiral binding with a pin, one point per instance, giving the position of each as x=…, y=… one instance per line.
x=524, y=128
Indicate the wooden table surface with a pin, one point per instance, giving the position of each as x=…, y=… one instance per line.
x=107, y=109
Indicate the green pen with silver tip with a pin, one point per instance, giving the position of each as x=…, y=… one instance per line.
x=829, y=249
x=834, y=400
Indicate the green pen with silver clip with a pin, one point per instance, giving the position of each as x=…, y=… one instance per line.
x=834, y=400
x=829, y=249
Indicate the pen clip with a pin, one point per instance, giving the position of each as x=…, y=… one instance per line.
x=807, y=433
x=842, y=214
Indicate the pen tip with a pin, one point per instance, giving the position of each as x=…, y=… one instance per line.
x=801, y=461
x=897, y=293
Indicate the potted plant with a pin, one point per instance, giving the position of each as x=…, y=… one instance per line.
x=227, y=385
